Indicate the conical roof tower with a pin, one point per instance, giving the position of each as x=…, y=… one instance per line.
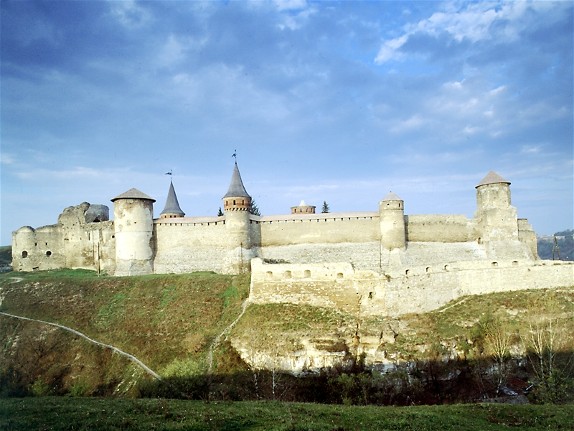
x=236, y=198
x=172, y=208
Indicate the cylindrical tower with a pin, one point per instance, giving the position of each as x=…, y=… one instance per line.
x=237, y=206
x=496, y=218
x=392, y=222
x=133, y=227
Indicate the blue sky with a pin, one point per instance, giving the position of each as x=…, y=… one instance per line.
x=324, y=101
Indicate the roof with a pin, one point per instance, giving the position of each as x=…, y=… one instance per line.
x=171, y=203
x=133, y=194
x=392, y=197
x=236, y=188
x=492, y=178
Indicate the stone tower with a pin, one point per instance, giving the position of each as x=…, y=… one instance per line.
x=392, y=222
x=133, y=228
x=496, y=218
x=172, y=208
x=237, y=206
x=496, y=221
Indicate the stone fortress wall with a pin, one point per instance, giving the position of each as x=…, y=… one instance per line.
x=382, y=262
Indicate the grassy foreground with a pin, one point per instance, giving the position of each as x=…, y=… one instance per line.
x=59, y=413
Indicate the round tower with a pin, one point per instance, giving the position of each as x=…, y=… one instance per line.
x=133, y=227
x=495, y=217
x=303, y=208
x=237, y=206
x=392, y=222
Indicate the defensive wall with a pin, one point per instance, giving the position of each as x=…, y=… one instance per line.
x=398, y=291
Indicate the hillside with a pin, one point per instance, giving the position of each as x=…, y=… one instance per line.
x=170, y=323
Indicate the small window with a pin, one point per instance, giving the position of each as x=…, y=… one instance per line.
x=370, y=295
x=407, y=272
x=427, y=269
x=340, y=275
x=287, y=274
x=307, y=273
x=48, y=253
x=269, y=274
x=514, y=263
x=494, y=263
x=446, y=268
x=24, y=254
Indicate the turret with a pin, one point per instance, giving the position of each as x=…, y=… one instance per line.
x=237, y=206
x=392, y=222
x=495, y=217
x=172, y=208
x=133, y=227
x=303, y=208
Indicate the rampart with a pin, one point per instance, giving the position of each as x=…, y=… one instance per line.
x=408, y=290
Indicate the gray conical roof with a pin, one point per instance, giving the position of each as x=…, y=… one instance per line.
x=133, y=194
x=392, y=197
x=236, y=188
x=171, y=203
x=492, y=178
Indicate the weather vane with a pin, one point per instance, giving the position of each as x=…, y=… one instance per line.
x=170, y=172
x=234, y=155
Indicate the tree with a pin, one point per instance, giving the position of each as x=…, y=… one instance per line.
x=325, y=207
x=254, y=209
x=219, y=213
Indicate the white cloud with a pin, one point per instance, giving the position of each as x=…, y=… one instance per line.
x=130, y=14
x=473, y=23
x=290, y=5
x=7, y=159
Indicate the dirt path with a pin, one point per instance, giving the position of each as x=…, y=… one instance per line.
x=217, y=339
x=79, y=334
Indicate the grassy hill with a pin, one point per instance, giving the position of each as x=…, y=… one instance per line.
x=170, y=323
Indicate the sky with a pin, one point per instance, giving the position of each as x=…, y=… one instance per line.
x=323, y=101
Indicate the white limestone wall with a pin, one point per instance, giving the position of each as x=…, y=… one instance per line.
x=400, y=291
x=439, y=228
x=330, y=228
x=40, y=248
x=365, y=255
x=188, y=245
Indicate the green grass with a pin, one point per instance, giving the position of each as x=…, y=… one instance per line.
x=49, y=413
x=167, y=321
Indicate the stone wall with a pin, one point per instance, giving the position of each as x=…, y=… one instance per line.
x=439, y=228
x=399, y=291
x=190, y=244
x=319, y=229
x=71, y=243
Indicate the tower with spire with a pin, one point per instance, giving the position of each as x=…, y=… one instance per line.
x=237, y=206
x=172, y=208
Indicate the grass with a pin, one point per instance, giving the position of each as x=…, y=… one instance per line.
x=167, y=321
x=57, y=413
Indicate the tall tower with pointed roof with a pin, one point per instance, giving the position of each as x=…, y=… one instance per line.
x=236, y=198
x=133, y=230
x=392, y=222
x=237, y=205
x=172, y=208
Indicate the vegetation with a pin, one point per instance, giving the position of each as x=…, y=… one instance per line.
x=476, y=348
x=5, y=258
x=53, y=413
x=325, y=208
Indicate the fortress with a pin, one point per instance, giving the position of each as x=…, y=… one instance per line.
x=376, y=263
